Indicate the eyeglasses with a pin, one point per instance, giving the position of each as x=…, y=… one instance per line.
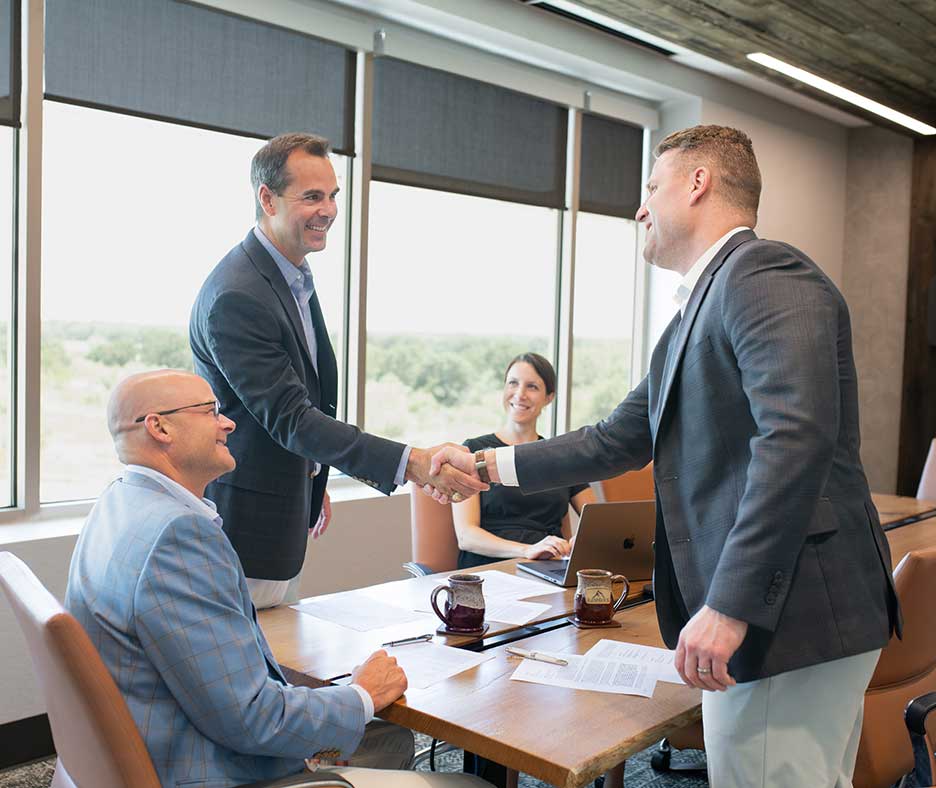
x=215, y=410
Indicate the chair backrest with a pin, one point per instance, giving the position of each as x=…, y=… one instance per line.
x=906, y=669
x=927, y=488
x=630, y=486
x=95, y=736
x=433, y=532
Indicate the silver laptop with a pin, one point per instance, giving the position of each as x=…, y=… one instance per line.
x=616, y=536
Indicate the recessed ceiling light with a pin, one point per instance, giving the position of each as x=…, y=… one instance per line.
x=843, y=93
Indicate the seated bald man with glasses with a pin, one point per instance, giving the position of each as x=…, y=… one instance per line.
x=161, y=592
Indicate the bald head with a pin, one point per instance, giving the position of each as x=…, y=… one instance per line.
x=148, y=392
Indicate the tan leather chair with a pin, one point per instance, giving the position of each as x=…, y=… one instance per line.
x=630, y=486
x=927, y=487
x=93, y=731
x=921, y=724
x=435, y=546
x=906, y=669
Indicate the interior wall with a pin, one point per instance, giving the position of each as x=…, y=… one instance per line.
x=803, y=162
x=877, y=248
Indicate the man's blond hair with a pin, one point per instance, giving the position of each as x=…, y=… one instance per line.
x=729, y=155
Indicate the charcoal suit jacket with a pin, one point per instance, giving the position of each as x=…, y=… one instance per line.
x=248, y=343
x=763, y=508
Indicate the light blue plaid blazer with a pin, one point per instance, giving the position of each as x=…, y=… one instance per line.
x=162, y=595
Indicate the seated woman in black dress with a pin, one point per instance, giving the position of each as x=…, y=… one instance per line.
x=503, y=522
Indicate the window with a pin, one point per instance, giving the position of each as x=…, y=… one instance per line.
x=457, y=286
x=135, y=215
x=7, y=215
x=603, y=316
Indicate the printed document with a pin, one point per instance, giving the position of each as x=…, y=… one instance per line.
x=510, y=612
x=659, y=660
x=428, y=663
x=347, y=611
x=588, y=673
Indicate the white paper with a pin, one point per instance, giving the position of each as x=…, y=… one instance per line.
x=587, y=673
x=357, y=614
x=510, y=612
x=428, y=663
x=659, y=660
x=500, y=585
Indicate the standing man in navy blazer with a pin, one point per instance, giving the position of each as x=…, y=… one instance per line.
x=772, y=574
x=259, y=338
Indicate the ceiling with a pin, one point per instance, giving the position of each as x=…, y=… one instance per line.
x=882, y=49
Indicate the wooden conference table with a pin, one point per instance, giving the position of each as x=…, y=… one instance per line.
x=530, y=727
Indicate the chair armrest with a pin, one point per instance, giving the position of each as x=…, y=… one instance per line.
x=417, y=569
x=305, y=780
x=916, y=711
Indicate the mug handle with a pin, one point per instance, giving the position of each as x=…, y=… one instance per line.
x=448, y=594
x=620, y=600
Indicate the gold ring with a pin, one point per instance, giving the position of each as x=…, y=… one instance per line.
x=457, y=497
x=703, y=671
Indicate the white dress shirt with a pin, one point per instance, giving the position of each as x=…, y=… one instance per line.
x=504, y=456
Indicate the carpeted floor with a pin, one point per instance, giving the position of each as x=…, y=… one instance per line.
x=638, y=773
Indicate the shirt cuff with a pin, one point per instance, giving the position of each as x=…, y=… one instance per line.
x=506, y=469
x=400, y=478
x=367, y=700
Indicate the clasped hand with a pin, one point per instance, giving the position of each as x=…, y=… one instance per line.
x=445, y=471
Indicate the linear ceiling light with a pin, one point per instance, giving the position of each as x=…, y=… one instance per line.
x=839, y=92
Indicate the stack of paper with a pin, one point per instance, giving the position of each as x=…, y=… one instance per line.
x=658, y=660
x=348, y=612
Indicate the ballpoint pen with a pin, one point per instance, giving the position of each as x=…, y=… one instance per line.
x=406, y=641
x=536, y=655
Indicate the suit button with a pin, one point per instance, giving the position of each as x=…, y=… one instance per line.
x=778, y=576
x=771, y=598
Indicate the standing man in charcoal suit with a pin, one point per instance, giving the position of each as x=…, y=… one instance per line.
x=772, y=576
x=258, y=337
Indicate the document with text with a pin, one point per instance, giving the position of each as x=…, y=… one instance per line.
x=587, y=673
x=659, y=660
x=511, y=612
x=346, y=611
x=427, y=663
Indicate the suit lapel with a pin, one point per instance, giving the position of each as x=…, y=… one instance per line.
x=692, y=309
x=268, y=269
x=327, y=366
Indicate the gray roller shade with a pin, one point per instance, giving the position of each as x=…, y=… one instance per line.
x=441, y=131
x=184, y=63
x=9, y=62
x=612, y=158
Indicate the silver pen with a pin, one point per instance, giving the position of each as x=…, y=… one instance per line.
x=536, y=655
x=406, y=641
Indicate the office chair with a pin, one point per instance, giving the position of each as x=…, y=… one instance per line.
x=906, y=669
x=921, y=724
x=435, y=546
x=927, y=487
x=630, y=486
x=94, y=734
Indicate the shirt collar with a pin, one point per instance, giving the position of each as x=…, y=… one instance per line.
x=295, y=277
x=691, y=278
x=201, y=506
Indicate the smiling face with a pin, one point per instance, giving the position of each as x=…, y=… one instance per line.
x=297, y=221
x=665, y=213
x=199, y=444
x=524, y=394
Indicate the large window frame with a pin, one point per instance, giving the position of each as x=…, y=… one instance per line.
x=354, y=30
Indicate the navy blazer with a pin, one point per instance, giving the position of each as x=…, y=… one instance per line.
x=248, y=343
x=763, y=508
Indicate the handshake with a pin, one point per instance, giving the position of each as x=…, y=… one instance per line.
x=446, y=472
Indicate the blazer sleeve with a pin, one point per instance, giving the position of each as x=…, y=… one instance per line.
x=782, y=320
x=243, y=338
x=191, y=625
x=619, y=443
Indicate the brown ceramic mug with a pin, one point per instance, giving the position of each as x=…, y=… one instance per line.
x=464, y=603
x=594, y=596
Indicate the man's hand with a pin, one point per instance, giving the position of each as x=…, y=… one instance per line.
x=383, y=679
x=324, y=518
x=706, y=644
x=548, y=548
x=442, y=482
